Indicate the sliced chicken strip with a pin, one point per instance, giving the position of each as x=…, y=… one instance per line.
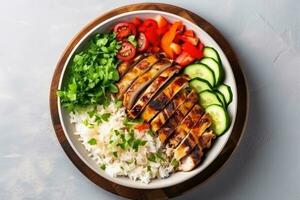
x=160, y=119
x=123, y=67
x=136, y=71
x=161, y=100
x=178, y=116
x=141, y=82
x=151, y=90
x=187, y=123
x=192, y=139
x=194, y=158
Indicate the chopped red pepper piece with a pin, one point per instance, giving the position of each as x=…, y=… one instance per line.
x=189, y=33
x=184, y=59
x=137, y=21
x=141, y=127
x=168, y=38
x=193, y=40
x=192, y=50
x=161, y=21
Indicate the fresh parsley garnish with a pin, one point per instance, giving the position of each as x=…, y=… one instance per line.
x=92, y=141
x=92, y=74
x=103, y=166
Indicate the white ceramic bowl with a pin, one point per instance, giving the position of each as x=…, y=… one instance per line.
x=177, y=177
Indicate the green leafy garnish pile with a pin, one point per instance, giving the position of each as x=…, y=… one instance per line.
x=92, y=74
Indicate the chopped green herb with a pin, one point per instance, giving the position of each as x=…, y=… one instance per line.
x=103, y=166
x=92, y=74
x=92, y=141
x=151, y=157
x=105, y=116
x=115, y=154
x=132, y=40
x=85, y=122
x=118, y=103
x=137, y=143
x=175, y=163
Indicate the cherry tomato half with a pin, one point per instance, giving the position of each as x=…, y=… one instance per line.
x=124, y=29
x=126, y=52
x=143, y=42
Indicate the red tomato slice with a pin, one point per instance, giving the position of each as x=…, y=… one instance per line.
x=124, y=29
x=143, y=42
x=126, y=52
x=184, y=59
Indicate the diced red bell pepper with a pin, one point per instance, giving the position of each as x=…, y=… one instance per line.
x=137, y=21
x=150, y=23
x=155, y=49
x=193, y=40
x=189, y=33
x=168, y=38
x=161, y=21
x=141, y=127
x=162, y=30
x=192, y=50
x=176, y=48
x=184, y=59
x=152, y=36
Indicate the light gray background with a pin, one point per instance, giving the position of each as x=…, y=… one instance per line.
x=264, y=34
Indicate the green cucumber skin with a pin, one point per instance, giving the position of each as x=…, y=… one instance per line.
x=208, y=49
x=201, y=94
x=204, y=82
x=188, y=70
x=219, y=71
x=228, y=97
x=227, y=119
x=222, y=98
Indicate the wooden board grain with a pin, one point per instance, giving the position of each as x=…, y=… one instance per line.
x=181, y=188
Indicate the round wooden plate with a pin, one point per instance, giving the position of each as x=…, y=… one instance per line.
x=238, y=128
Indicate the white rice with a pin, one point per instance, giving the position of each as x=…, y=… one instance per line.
x=113, y=159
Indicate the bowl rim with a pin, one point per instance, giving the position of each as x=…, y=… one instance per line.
x=96, y=23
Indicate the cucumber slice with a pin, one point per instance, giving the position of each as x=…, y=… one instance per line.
x=219, y=117
x=200, y=85
x=215, y=67
x=212, y=53
x=200, y=71
x=208, y=98
x=227, y=93
x=222, y=98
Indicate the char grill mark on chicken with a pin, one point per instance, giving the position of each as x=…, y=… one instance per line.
x=160, y=119
x=187, y=123
x=136, y=71
x=190, y=141
x=144, y=80
x=193, y=159
x=177, y=116
x=166, y=95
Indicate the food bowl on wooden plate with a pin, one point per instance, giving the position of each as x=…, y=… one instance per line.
x=222, y=146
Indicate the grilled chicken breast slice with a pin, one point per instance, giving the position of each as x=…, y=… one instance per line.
x=136, y=71
x=151, y=90
x=187, y=123
x=160, y=119
x=123, y=67
x=161, y=100
x=189, y=162
x=141, y=82
x=166, y=130
x=192, y=139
